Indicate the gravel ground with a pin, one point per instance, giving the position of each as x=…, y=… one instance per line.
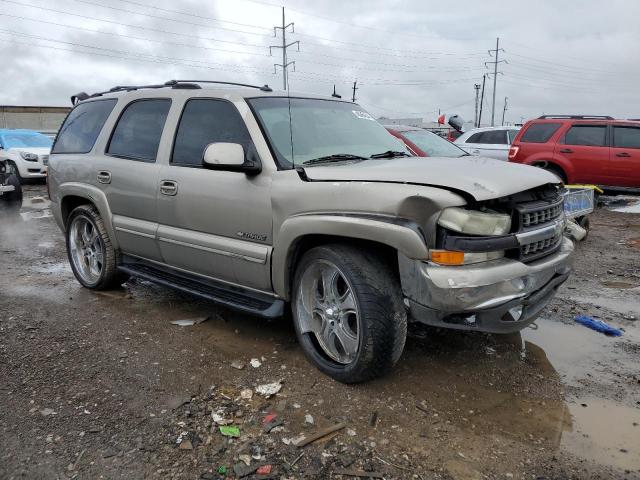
x=102, y=385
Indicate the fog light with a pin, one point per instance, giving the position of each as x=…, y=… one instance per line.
x=514, y=314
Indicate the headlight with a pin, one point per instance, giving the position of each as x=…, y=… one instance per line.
x=32, y=157
x=474, y=222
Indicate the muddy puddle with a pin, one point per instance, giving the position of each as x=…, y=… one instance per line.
x=622, y=203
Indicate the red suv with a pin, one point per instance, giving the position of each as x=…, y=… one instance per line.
x=582, y=149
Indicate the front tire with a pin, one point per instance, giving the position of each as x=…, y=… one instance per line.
x=91, y=254
x=348, y=312
x=16, y=172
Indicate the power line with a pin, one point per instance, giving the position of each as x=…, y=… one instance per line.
x=133, y=37
x=121, y=24
x=158, y=17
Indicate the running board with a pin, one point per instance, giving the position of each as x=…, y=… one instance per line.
x=237, y=298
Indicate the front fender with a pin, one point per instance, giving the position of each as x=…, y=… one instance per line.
x=403, y=235
x=92, y=194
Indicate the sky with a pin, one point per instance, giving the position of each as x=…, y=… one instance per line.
x=411, y=58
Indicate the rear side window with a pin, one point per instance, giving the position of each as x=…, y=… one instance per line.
x=626, y=137
x=138, y=131
x=206, y=121
x=539, y=132
x=490, y=137
x=589, y=135
x=80, y=130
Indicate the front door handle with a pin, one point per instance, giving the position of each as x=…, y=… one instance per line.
x=566, y=150
x=104, y=176
x=623, y=154
x=168, y=187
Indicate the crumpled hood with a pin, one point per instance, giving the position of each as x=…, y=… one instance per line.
x=482, y=178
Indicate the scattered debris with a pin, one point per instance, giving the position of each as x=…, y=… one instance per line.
x=255, y=363
x=241, y=470
x=373, y=420
x=308, y=419
x=190, y=321
x=186, y=444
x=229, y=430
x=598, y=326
x=264, y=469
x=351, y=432
x=269, y=389
x=270, y=422
x=318, y=435
x=47, y=411
x=222, y=470
x=358, y=473
x=246, y=394
x=244, y=458
x=237, y=364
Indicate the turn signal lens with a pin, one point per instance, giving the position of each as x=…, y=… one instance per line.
x=513, y=151
x=447, y=257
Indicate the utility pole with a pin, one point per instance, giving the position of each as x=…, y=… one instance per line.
x=353, y=97
x=484, y=78
x=495, y=76
x=475, y=118
x=504, y=109
x=284, y=47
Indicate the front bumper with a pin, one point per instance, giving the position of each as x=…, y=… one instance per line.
x=500, y=296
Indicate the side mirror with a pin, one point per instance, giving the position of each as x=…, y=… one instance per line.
x=227, y=156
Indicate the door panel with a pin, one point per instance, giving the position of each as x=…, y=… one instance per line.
x=585, y=147
x=625, y=156
x=202, y=227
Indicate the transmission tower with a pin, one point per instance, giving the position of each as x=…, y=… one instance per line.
x=284, y=65
x=495, y=75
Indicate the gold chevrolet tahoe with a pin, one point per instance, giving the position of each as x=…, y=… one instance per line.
x=263, y=201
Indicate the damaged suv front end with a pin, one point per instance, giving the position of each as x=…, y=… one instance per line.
x=494, y=266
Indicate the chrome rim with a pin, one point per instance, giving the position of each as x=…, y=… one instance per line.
x=327, y=309
x=85, y=247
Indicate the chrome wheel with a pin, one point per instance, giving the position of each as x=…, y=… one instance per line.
x=86, y=249
x=327, y=309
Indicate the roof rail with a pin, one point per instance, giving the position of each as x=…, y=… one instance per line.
x=179, y=84
x=264, y=88
x=578, y=117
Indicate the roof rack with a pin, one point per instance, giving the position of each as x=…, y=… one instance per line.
x=177, y=84
x=264, y=88
x=579, y=117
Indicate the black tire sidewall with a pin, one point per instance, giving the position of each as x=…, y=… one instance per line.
x=12, y=200
x=360, y=369
x=85, y=213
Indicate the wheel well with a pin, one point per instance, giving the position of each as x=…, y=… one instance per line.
x=387, y=254
x=554, y=167
x=69, y=203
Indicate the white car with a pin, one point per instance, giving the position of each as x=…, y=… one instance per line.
x=26, y=152
x=492, y=142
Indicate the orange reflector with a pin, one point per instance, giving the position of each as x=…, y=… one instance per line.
x=447, y=257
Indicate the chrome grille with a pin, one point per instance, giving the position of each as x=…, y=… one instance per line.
x=536, y=215
x=543, y=215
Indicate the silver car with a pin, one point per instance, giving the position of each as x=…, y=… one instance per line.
x=490, y=142
x=264, y=202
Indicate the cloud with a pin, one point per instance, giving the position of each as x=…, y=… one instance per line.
x=411, y=58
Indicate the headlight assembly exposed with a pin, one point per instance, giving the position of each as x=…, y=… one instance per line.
x=474, y=222
x=31, y=157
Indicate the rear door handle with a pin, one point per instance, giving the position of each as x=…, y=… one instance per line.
x=104, y=176
x=566, y=150
x=622, y=154
x=168, y=187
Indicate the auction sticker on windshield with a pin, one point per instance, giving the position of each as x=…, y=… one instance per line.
x=363, y=115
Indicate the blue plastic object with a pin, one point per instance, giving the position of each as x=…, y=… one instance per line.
x=598, y=326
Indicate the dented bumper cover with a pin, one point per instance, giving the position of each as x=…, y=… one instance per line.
x=501, y=296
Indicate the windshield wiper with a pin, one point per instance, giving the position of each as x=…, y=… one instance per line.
x=336, y=157
x=390, y=154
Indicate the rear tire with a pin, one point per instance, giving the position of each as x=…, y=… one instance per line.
x=12, y=201
x=16, y=172
x=348, y=312
x=91, y=255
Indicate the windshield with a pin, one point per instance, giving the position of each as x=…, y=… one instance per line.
x=25, y=140
x=432, y=144
x=320, y=128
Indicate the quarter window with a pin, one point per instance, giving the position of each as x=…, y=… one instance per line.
x=206, y=121
x=137, y=134
x=626, y=137
x=81, y=128
x=539, y=132
x=495, y=137
x=590, y=135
